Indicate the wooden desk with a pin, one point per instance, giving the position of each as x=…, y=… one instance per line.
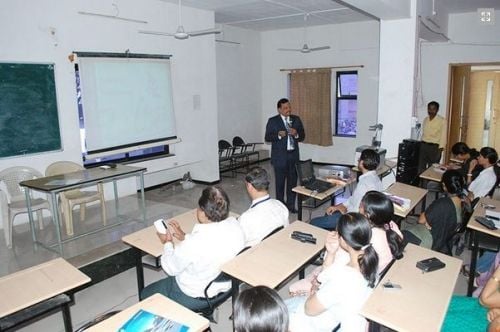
x=145, y=241
x=39, y=283
x=159, y=305
x=53, y=185
x=275, y=259
x=423, y=300
x=478, y=232
x=415, y=194
x=431, y=174
x=304, y=192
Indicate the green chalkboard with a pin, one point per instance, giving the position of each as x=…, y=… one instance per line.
x=28, y=109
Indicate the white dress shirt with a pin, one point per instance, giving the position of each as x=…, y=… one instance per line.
x=366, y=182
x=482, y=185
x=264, y=215
x=197, y=260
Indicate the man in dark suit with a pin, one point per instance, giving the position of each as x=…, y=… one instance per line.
x=285, y=131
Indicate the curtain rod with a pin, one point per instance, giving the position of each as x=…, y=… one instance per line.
x=337, y=67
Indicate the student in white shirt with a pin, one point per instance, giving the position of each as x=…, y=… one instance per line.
x=485, y=181
x=265, y=214
x=193, y=263
x=367, y=163
x=343, y=288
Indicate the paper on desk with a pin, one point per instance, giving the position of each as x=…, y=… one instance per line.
x=494, y=214
x=400, y=203
x=62, y=182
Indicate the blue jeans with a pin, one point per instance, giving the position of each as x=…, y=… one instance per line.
x=486, y=260
x=328, y=222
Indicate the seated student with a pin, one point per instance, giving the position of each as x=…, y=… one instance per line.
x=265, y=214
x=467, y=155
x=260, y=309
x=369, y=180
x=387, y=239
x=468, y=314
x=487, y=179
x=193, y=263
x=436, y=225
x=343, y=288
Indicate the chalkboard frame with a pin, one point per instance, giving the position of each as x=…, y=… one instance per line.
x=26, y=131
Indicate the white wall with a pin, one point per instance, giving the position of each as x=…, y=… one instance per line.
x=239, y=85
x=351, y=44
x=25, y=37
x=436, y=57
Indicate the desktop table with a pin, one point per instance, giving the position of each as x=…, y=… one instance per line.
x=27, y=288
x=422, y=301
x=304, y=192
x=432, y=174
x=145, y=241
x=158, y=305
x=479, y=234
x=275, y=259
x=53, y=185
x=415, y=194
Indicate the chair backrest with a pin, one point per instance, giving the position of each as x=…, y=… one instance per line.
x=277, y=229
x=237, y=141
x=223, y=144
x=62, y=167
x=12, y=176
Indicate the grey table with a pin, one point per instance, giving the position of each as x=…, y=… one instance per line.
x=53, y=185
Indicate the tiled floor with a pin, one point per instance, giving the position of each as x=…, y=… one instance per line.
x=120, y=291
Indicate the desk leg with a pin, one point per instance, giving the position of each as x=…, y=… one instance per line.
x=55, y=217
x=140, y=271
x=30, y=215
x=235, y=289
x=68, y=327
x=143, y=201
x=115, y=189
x=302, y=273
x=472, y=266
x=300, y=198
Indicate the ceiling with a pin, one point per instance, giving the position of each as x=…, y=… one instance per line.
x=264, y=15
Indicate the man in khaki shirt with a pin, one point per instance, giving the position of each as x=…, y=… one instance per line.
x=433, y=138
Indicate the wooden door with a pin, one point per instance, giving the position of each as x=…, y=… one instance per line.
x=458, y=105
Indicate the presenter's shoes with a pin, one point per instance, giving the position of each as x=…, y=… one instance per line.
x=293, y=210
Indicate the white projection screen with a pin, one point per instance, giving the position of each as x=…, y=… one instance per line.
x=127, y=103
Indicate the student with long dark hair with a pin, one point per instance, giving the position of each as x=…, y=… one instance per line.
x=487, y=179
x=343, y=288
x=437, y=224
x=386, y=236
x=467, y=155
x=260, y=309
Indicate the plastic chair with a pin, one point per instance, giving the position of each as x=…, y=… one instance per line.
x=70, y=198
x=13, y=200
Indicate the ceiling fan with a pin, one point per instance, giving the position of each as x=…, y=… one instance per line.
x=180, y=33
x=305, y=48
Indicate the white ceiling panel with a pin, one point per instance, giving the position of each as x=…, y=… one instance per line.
x=283, y=14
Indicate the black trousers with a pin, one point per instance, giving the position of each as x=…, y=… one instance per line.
x=286, y=177
x=428, y=155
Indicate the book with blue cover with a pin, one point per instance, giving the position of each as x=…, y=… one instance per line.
x=146, y=321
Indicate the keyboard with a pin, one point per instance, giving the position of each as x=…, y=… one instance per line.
x=318, y=185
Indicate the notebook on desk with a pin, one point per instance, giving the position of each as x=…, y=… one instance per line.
x=305, y=171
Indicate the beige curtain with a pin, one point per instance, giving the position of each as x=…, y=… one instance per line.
x=310, y=96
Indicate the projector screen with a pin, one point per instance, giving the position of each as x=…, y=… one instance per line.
x=127, y=103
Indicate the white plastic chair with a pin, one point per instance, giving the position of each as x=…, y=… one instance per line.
x=13, y=201
x=70, y=198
